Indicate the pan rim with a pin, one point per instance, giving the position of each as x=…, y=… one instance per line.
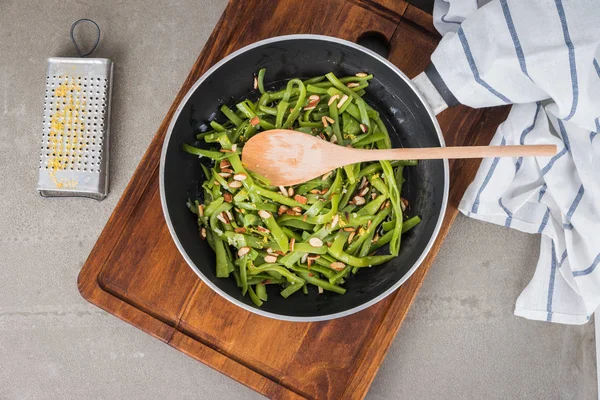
x=256, y=310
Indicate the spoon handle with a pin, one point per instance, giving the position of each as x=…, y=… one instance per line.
x=457, y=152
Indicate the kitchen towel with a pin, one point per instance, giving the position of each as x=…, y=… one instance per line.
x=543, y=57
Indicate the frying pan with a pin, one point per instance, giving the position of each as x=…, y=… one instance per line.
x=409, y=119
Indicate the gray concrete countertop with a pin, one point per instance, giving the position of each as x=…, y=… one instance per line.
x=460, y=339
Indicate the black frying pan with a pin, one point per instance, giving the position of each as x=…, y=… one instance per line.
x=411, y=124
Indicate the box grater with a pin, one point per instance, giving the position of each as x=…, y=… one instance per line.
x=75, y=140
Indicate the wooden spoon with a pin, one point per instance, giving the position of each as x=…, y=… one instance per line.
x=286, y=157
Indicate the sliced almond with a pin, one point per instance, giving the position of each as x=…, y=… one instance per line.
x=403, y=203
x=224, y=174
x=335, y=220
x=270, y=250
x=283, y=191
x=351, y=237
x=300, y=199
x=324, y=121
x=225, y=151
x=282, y=209
x=332, y=99
x=353, y=84
x=216, y=183
x=271, y=259
x=228, y=198
x=290, y=212
x=363, y=182
x=349, y=229
x=311, y=105
x=304, y=217
x=304, y=257
x=229, y=216
x=364, y=128
x=279, y=252
x=292, y=243
x=314, y=257
x=234, y=147
x=327, y=175
x=375, y=238
x=243, y=251
x=255, y=83
x=201, y=210
x=264, y=214
x=323, y=191
x=373, y=196
x=330, y=120
x=315, y=242
x=358, y=200
x=262, y=229
x=240, y=230
x=337, y=266
x=342, y=101
x=203, y=233
x=333, y=139
x=322, y=136
x=221, y=217
x=255, y=121
x=369, y=223
x=320, y=289
x=362, y=74
x=309, y=263
x=314, y=97
x=364, y=191
x=315, y=191
x=224, y=164
x=239, y=177
x=297, y=209
x=388, y=204
x=229, y=170
x=235, y=184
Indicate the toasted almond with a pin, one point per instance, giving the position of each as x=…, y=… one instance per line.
x=375, y=238
x=315, y=191
x=224, y=174
x=255, y=83
x=243, y=251
x=300, y=199
x=282, y=209
x=240, y=230
x=315, y=242
x=364, y=128
x=225, y=151
x=314, y=257
x=351, y=237
x=330, y=120
x=279, y=252
x=255, y=121
x=362, y=74
x=227, y=196
x=239, y=177
x=320, y=289
x=271, y=259
x=270, y=250
x=262, y=229
x=235, y=184
x=353, y=84
x=349, y=229
x=361, y=231
x=335, y=220
x=369, y=223
x=358, y=200
x=311, y=105
x=224, y=164
x=229, y=215
x=332, y=99
x=323, y=191
x=327, y=175
x=297, y=209
x=388, y=203
x=309, y=263
x=403, y=203
x=337, y=266
x=333, y=139
x=329, y=244
x=283, y=191
x=324, y=121
x=221, y=217
x=364, y=191
x=304, y=257
x=322, y=136
x=292, y=244
x=203, y=233
x=363, y=182
x=290, y=212
x=234, y=147
x=229, y=170
x=290, y=191
x=373, y=196
x=201, y=210
x=264, y=214
x=304, y=217
x=314, y=97
x=382, y=206
x=216, y=183
x=342, y=101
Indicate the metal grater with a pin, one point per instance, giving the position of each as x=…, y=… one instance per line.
x=74, y=151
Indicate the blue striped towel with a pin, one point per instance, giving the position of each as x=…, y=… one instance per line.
x=542, y=57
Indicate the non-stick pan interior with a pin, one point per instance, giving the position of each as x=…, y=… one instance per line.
x=406, y=117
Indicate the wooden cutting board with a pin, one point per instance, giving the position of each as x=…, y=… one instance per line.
x=136, y=273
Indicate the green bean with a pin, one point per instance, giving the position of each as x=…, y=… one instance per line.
x=321, y=283
x=260, y=80
x=215, y=155
x=255, y=299
x=278, y=235
x=231, y=115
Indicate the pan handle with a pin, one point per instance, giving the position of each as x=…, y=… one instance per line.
x=434, y=89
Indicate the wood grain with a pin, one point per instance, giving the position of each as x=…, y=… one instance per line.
x=136, y=273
